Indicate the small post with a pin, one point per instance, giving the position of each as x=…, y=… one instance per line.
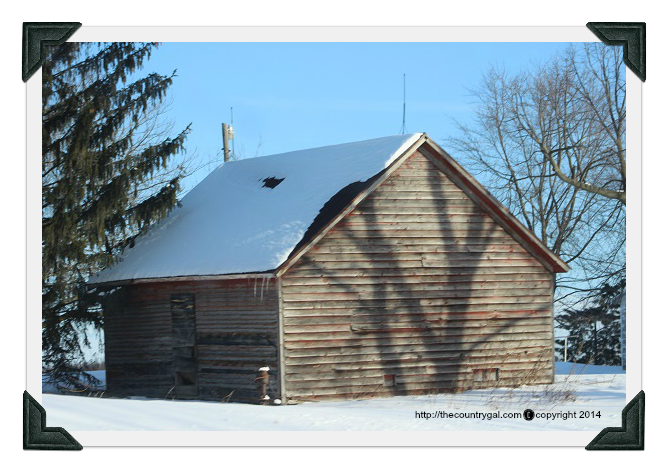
x=226, y=144
x=566, y=348
x=263, y=382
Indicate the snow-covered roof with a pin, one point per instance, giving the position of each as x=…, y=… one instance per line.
x=234, y=221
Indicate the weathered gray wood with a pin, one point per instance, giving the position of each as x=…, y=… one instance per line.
x=317, y=278
x=305, y=293
x=476, y=272
x=429, y=257
x=427, y=263
x=418, y=282
x=281, y=343
x=224, y=337
x=378, y=338
x=340, y=363
x=404, y=345
x=437, y=246
x=447, y=329
x=318, y=287
x=391, y=306
x=369, y=371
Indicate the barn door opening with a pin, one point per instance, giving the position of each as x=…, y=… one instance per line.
x=183, y=347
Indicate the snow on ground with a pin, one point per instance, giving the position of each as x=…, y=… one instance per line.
x=578, y=394
x=232, y=223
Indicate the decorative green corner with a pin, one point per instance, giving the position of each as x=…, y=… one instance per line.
x=632, y=36
x=631, y=435
x=38, y=35
x=37, y=436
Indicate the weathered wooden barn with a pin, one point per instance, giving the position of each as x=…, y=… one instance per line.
x=366, y=269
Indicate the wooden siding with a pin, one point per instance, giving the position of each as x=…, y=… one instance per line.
x=418, y=290
x=236, y=333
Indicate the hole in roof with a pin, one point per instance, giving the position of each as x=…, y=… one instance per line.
x=272, y=182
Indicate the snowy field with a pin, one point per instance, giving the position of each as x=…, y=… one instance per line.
x=579, y=389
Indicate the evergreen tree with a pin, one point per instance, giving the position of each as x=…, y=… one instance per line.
x=106, y=176
x=594, y=332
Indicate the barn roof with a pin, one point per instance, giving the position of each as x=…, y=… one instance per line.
x=261, y=214
x=248, y=216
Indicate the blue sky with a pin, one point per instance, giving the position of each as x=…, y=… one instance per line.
x=289, y=96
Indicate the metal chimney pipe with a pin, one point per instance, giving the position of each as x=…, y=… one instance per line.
x=226, y=142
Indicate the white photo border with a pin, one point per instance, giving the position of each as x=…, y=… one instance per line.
x=336, y=34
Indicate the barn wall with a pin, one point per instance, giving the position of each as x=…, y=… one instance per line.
x=417, y=291
x=235, y=325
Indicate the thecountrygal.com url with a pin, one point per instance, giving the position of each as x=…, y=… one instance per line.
x=527, y=414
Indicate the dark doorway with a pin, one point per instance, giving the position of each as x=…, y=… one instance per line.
x=183, y=351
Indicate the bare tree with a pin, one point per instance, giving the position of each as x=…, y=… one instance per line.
x=549, y=143
x=574, y=110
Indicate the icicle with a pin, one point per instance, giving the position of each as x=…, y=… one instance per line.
x=262, y=289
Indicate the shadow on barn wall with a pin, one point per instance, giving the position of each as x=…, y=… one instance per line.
x=437, y=295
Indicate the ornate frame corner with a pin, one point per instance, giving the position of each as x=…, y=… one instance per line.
x=632, y=36
x=37, y=436
x=37, y=35
x=631, y=435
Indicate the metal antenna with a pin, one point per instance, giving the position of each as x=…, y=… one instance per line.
x=232, y=124
x=403, y=122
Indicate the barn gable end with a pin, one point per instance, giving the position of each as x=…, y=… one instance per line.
x=418, y=289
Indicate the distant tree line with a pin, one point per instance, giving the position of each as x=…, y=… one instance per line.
x=594, y=331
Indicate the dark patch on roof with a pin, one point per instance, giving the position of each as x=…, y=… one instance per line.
x=272, y=182
x=332, y=208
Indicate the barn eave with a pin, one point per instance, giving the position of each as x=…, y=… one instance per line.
x=205, y=277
